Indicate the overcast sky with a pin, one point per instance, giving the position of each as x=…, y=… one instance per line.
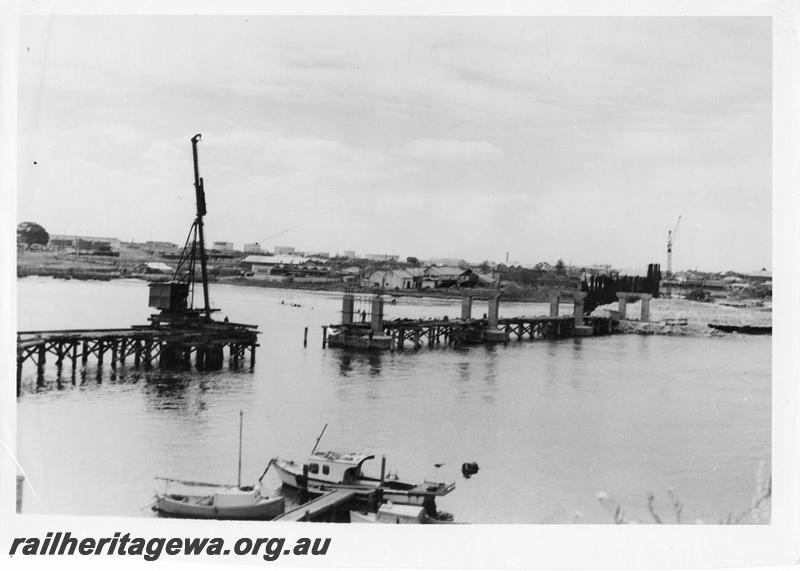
x=574, y=138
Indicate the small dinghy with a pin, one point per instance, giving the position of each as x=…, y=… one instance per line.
x=201, y=500
x=218, y=502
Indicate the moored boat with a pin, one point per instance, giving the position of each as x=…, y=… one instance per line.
x=336, y=470
x=220, y=502
x=395, y=513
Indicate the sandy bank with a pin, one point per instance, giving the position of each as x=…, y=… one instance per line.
x=665, y=314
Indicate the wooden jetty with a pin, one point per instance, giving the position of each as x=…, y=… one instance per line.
x=175, y=334
x=145, y=346
x=372, y=331
x=322, y=508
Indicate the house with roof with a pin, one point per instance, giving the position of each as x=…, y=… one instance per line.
x=286, y=267
x=440, y=276
x=471, y=278
x=395, y=279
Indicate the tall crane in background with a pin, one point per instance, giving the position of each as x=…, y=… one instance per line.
x=671, y=237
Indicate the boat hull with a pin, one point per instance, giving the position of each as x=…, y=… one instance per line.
x=291, y=475
x=395, y=514
x=175, y=505
x=745, y=329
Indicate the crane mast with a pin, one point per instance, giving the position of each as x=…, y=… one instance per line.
x=671, y=237
x=201, y=211
x=175, y=298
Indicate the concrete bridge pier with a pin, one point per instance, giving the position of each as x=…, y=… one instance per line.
x=377, y=315
x=466, y=307
x=623, y=305
x=347, y=308
x=580, y=329
x=577, y=301
x=494, y=310
x=645, y=297
x=554, y=301
x=491, y=333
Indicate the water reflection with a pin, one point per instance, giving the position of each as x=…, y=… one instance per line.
x=463, y=371
x=345, y=363
x=350, y=359
x=490, y=376
x=166, y=393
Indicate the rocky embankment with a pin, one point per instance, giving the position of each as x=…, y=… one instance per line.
x=683, y=317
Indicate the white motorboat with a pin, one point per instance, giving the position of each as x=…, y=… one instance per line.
x=336, y=470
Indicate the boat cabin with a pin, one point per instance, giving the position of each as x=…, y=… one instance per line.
x=337, y=467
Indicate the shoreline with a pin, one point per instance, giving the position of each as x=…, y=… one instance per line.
x=664, y=312
x=541, y=296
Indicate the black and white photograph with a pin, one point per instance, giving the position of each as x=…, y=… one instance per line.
x=279, y=274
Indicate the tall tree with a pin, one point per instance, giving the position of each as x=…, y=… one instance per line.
x=30, y=233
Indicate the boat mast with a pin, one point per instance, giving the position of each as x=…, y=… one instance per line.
x=201, y=211
x=319, y=438
x=239, y=480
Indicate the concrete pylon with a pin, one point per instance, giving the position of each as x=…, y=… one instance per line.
x=466, y=307
x=377, y=315
x=645, y=297
x=494, y=310
x=577, y=301
x=347, y=309
x=623, y=305
x=554, y=301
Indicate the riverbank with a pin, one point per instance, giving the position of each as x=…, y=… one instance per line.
x=63, y=265
x=684, y=317
x=667, y=316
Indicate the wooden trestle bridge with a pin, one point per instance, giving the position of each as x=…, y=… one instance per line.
x=381, y=334
x=147, y=346
x=458, y=332
x=462, y=332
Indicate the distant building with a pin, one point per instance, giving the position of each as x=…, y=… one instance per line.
x=284, y=250
x=222, y=246
x=59, y=241
x=287, y=267
x=349, y=254
x=440, y=276
x=252, y=248
x=321, y=255
x=455, y=262
x=392, y=279
x=600, y=268
x=762, y=275
x=160, y=246
x=265, y=264
x=471, y=278
x=85, y=244
x=382, y=257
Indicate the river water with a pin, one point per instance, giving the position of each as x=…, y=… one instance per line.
x=550, y=423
